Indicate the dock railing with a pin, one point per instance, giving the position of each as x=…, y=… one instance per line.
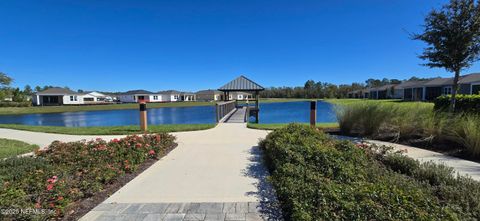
x=222, y=109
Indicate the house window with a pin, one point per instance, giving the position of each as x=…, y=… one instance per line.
x=134, y=98
x=475, y=88
x=447, y=90
x=155, y=97
x=73, y=98
x=175, y=97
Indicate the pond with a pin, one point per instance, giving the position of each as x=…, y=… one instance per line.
x=288, y=112
x=284, y=112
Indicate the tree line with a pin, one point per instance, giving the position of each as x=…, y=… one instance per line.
x=312, y=89
x=15, y=94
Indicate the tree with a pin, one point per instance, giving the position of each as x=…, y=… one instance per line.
x=5, y=80
x=28, y=90
x=38, y=88
x=17, y=95
x=453, y=38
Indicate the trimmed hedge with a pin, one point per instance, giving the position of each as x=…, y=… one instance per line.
x=319, y=178
x=15, y=104
x=65, y=173
x=464, y=103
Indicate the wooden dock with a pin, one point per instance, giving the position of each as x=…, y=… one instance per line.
x=238, y=116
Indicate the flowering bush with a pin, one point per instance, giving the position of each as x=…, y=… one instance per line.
x=319, y=178
x=68, y=172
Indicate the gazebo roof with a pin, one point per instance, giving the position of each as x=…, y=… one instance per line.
x=241, y=84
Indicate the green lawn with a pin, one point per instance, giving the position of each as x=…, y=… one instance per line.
x=59, y=109
x=113, y=130
x=10, y=148
x=277, y=126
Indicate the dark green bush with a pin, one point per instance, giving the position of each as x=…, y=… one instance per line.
x=465, y=103
x=15, y=104
x=69, y=172
x=319, y=178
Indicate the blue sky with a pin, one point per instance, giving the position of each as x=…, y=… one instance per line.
x=191, y=45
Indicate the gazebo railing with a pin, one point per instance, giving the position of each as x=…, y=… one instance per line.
x=222, y=109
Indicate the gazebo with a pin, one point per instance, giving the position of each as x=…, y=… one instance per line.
x=243, y=84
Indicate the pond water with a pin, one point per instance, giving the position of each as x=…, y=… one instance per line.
x=288, y=112
x=284, y=112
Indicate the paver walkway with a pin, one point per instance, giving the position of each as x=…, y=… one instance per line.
x=214, y=174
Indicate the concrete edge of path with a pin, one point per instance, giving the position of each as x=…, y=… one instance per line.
x=461, y=166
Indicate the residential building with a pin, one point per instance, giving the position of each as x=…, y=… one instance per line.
x=209, y=95
x=136, y=96
x=170, y=95
x=470, y=84
x=58, y=96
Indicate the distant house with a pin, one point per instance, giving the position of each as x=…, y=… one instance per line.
x=174, y=95
x=136, y=96
x=170, y=95
x=384, y=92
x=209, y=95
x=240, y=96
x=470, y=84
x=57, y=96
x=188, y=96
x=412, y=90
x=437, y=87
x=63, y=96
x=98, y=97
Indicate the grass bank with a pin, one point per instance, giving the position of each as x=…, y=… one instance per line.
x=320, y=178
x=113, y=130
x=282, y=125
x=59, y=109
x=10, y=148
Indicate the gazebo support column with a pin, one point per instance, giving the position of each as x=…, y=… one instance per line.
x=257, y=108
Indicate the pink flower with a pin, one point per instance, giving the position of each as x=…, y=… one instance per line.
x=151, y=152
x=115, y=140
x=53, y=179
x=49, y=187
x=98, y=139
x=138, y=145
x=60, y=198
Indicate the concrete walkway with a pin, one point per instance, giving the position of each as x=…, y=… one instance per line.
x=214, y=174
x=463, y=167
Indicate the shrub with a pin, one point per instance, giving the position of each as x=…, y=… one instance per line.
x=466, y=131
x=68, y=172
x=318, y=178
x=389, y=120
x=15, y=104
x=464, y=103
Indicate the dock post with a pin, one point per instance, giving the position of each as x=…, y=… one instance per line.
x=216, y=113
x=313, y=113
x=143, y=117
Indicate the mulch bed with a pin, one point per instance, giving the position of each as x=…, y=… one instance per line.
x=82, y=207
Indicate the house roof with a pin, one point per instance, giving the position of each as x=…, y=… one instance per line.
x=411, y=84
x=170, y=92
x=138, y=92
x=56, y=91
x=470, y=78
x=241, y=84
x=209, y=91
x=439, y=82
